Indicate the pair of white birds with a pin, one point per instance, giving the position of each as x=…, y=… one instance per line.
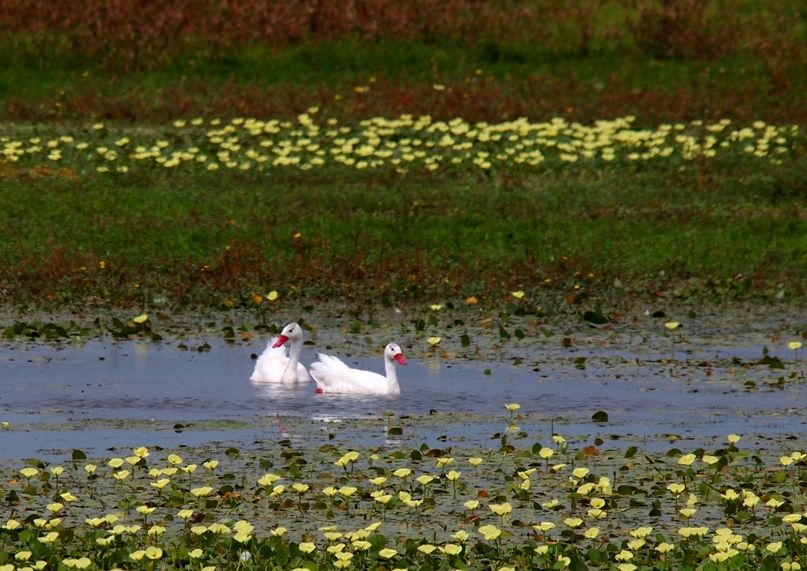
x=331, y=374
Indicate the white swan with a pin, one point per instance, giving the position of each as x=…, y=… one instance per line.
x=332, y=375
x=274, y=366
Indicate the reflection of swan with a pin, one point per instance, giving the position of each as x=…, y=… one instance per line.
x=334, y=376
x=274, y=366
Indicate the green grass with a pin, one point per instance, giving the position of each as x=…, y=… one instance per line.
x=202, y=238
x=517, y=78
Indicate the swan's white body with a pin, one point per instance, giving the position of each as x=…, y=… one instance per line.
x=274, y=366
x=332, y=375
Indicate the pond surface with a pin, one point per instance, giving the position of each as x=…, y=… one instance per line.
x=104, y=394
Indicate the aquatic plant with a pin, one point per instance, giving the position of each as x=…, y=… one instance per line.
x=518, y=508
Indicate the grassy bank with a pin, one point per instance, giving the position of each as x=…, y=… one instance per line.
x=731, y=226
x=700, y=194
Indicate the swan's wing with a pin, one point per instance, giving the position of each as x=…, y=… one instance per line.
x=330, y=362
x=334, y=376
x=270, y=364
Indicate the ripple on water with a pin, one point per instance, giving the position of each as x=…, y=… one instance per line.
x=68, y=387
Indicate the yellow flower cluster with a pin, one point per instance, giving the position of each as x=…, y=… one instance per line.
x=404, y=143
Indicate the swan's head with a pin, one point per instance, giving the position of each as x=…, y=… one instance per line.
x=291, y=331
x=393, y=352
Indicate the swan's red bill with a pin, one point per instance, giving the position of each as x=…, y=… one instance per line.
x=400, y=358
x=280, y=340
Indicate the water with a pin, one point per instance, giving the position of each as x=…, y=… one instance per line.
x=106, y=394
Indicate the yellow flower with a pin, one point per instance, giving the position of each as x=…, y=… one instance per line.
x=142, y=452
x=154, y=552
x=624, y=555
x=402, y=473
x=29, y=472
x=386, y=553
x=451, y=549
x=361, y=544
x=137, y=555
x=49, y=537
x=201, y=491
x=142, y=318
x=160, y=484
x=733, y=439
x=272, y=295
x=573, y=522
x=636, y=544
x=195, y=553
x=424, y=479
x=501, y=509
x=475, y=461
x=512, y=407
x=690, y=531
x=174, y=459
x=544, y=526
x=471, y=504
x=518, y=294
x=347, y=491
x=676, y=488
x=347, y=458
x=794, y=345
x=268, y=479
x=664, y=547
x=453, y=475
x=687, y=512
x=426, y=548
x=434, y=340
x=641, y=532
x=591, y=533
x=300, y=488
x=211, y=464
x=580, y=473
x=307, y=547
x=546, y=453
x=686, y=459
x=774, y=547
x=436, y=307
x=672, y=325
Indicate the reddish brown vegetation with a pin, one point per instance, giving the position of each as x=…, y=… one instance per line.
x=147, y=33
x=537, y=97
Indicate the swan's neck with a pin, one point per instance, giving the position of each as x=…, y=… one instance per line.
x=296, y=347
x=392, y=376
